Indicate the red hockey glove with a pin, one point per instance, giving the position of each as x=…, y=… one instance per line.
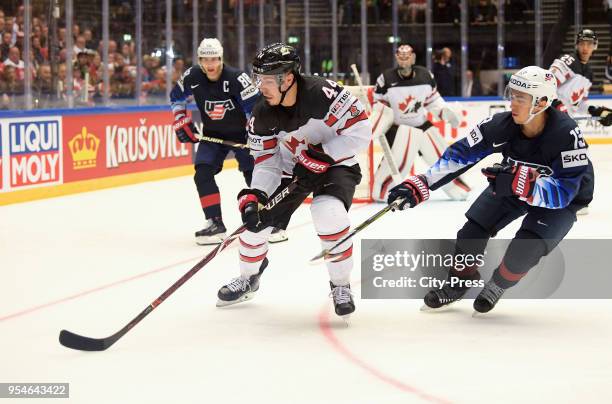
x=413, y=190
x=248, y=204
x=310, y=167
x=509, y=180
x=184, y=128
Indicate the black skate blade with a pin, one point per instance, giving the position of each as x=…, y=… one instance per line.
x=81, y=343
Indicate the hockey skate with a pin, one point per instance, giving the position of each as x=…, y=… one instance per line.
x=278, y=235
x=343, y=300
x=488, y=298
x=213, y=233
x=240, y=289
x=437, y=299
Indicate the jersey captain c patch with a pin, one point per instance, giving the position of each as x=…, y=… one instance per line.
x=216, y=109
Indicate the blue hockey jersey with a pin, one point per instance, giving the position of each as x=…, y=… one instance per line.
x=559, y=153
x=224, y=105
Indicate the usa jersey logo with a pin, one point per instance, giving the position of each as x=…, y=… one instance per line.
x=216, y=109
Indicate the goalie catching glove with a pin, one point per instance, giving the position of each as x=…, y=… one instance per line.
x=604, y=114
x=248, y=204
x=509, y=180
x=413, y=190
x=184, y=128
x=311, y=166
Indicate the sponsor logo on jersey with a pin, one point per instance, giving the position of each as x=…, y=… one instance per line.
x=474, y=137
x=248, y=92
x=354, y=111
x=345, y=95
x=216, y=109
x=84, y=149
x=255, y=142
x=543, y=170
x=575, y=158
x=35, y=152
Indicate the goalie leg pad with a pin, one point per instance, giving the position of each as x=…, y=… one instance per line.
x=404, y=150
x=432, y=147
x=331, y=222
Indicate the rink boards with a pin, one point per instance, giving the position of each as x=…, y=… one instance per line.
x=57, y=152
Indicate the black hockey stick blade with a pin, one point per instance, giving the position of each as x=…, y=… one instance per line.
x=81, y=343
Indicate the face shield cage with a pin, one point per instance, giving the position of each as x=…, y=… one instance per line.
x=524, y=99
x=266, y=79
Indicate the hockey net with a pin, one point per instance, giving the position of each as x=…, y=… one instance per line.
x=367, y=158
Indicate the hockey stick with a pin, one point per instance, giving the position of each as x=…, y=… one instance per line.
x=326, y=253
x=223, y=142
x=75, y=341
x=586, y=118
x=384, y=144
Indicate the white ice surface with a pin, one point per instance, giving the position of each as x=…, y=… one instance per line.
x=90, y=262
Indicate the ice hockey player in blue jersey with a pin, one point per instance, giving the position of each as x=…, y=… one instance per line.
x=225, y=96
x=542, y=176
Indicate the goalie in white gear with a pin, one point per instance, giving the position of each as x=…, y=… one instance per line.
x=403, y=97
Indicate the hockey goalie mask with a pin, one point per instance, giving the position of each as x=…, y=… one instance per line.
x=530, y=86
x=210, y=55
x=405, y=58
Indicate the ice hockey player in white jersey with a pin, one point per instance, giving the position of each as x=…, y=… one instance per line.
x=404, y=96
x=225, y=96
x=305, y=128
x=575, y=77
x=540, y=179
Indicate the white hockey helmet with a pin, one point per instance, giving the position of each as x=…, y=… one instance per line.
x=210, y=48
x=535, y=81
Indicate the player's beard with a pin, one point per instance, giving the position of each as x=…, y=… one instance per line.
x=405, y=71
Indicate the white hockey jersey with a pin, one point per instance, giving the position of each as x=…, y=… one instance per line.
x=409, y=98
x=324, y=114
x=574, y=80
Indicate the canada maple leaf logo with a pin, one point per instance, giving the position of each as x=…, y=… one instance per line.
x=293, y=143
x=577, y=95
x=403, y=106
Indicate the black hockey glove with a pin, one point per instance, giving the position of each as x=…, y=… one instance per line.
x=604, y=114
x=413, y=190
x=248, y=204
x=184, y=128
x=509, y=180
x=311, y=167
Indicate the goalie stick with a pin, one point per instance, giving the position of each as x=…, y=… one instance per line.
x=384, y=144
x=75, y=341
x=326, y=253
